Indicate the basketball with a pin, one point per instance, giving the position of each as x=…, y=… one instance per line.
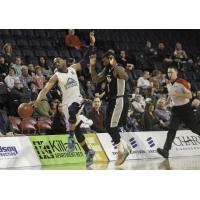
x=25, y=110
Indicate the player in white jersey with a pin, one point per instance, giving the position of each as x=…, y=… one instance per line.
x=72, y=101
x=180, y=95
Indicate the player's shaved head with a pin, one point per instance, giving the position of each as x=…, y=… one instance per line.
x=60, y=64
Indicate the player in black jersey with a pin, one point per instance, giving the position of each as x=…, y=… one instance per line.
x=115, y=77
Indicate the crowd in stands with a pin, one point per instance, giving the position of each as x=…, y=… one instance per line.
x=22, y=78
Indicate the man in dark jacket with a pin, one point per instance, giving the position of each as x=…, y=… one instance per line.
x=18, y=95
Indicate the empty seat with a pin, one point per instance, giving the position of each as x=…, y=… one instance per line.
x=40, y=34
x=27, y=128
x=43, y=127
x=16, y=32
x=22, y=43
x=64, y=53
x=27, y=52
x=29, y=33
x=52, y=53
x=34, y=43
x=45, y=43
x=39, y=52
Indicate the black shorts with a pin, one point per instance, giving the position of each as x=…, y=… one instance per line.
x=117, y=111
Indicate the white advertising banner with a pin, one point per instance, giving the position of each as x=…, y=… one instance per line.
x=144, y=144
x=17, y=152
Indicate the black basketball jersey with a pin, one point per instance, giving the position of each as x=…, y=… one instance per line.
x=115, y=87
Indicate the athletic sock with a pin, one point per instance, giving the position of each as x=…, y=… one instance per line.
x=120, y=147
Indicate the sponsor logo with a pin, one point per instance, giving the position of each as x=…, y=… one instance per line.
x=70, y=83
x=55, y=149
x=150, y=142
x=8, y=151
x=133, y=142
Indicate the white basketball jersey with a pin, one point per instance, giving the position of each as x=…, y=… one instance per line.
x=69, y=86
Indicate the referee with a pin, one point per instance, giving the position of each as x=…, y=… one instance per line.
x=116, y=116
x=180, y=95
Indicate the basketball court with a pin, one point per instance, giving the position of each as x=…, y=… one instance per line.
x=179, y=163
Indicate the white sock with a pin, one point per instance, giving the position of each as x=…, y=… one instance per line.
x=124, y=143
x=120, y=147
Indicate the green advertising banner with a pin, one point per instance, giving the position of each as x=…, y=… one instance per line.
x=52, y=150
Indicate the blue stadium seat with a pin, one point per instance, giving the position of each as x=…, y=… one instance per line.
x=16, y=33
x=64, y=53
x=29, y=33
x=45, y=43
x=17, y=52
x=75, y=53
x=34, y=43
x=40, y=34
x=22, y=43
x=52, y=52
x=5, y=32
x=27, y=52
x=40, y=52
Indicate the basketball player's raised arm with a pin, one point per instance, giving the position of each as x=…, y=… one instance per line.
x=77, y=66
x=96, y=78
x=52, y=81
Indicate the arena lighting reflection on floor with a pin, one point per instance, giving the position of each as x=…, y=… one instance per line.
x=179, y=163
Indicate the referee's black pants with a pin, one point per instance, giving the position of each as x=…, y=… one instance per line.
x=180, y=114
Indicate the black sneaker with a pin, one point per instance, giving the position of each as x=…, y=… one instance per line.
x=164, y=153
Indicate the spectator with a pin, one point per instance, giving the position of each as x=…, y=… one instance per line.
x=5, y=126
x=33, y=91
x=150, y=122
x=39, y=79
x=3, y=96
x=17, y=66
x=129, y=69
x=162, y=113
x=90, y=90
x=18, y=95
x=53, y=105
x=97, y=116
x=25, y=78
x=31, y=70
x=71, y=40
x=59, y=124
x=144, y=84
x=3, y=68
x=179, y=54
x=138, y=104
x=7, y=53
x=10, y=78
x=162, y=55
x=46, y=70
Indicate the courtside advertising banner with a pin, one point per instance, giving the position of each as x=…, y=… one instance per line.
x=52, y=150
x=93, y=143
x=144, y=144
x=17, y=152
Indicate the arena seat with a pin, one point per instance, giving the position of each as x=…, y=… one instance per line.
x=27, y=128
x=34, y=43
x=43, y=127
x=45, y=44
x=40, y=52
x=22, y=43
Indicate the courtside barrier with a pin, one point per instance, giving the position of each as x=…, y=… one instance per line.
x=51, y=150
x=144, y=144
